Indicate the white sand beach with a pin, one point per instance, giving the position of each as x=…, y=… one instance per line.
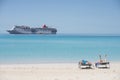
x=57, y=71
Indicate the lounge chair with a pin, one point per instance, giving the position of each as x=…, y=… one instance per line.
x=102, y=63
x=85, y=65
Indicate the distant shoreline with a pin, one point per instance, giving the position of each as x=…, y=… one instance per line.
x=66, y=34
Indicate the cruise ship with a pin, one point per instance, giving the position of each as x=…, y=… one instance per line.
x=27, y=30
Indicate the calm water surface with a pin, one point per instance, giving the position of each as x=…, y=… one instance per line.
x=57, y=48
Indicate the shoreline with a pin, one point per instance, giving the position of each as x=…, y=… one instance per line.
x=74, y=62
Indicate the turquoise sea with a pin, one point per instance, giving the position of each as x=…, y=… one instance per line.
x=57, y=48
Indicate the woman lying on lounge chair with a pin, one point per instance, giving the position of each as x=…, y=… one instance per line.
x=102, y=63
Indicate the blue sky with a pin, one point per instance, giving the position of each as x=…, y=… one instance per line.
x=68, y=16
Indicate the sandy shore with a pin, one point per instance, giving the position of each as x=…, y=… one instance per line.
x=54, y=71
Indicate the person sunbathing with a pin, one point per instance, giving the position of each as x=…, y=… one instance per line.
x=101, y=61
x=84, y=62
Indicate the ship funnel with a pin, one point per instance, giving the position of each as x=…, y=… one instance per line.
x=44, y=26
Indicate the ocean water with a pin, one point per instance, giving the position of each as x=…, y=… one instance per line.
x=57, y=48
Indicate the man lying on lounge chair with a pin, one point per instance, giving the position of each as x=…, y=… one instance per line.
x=85, y=63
